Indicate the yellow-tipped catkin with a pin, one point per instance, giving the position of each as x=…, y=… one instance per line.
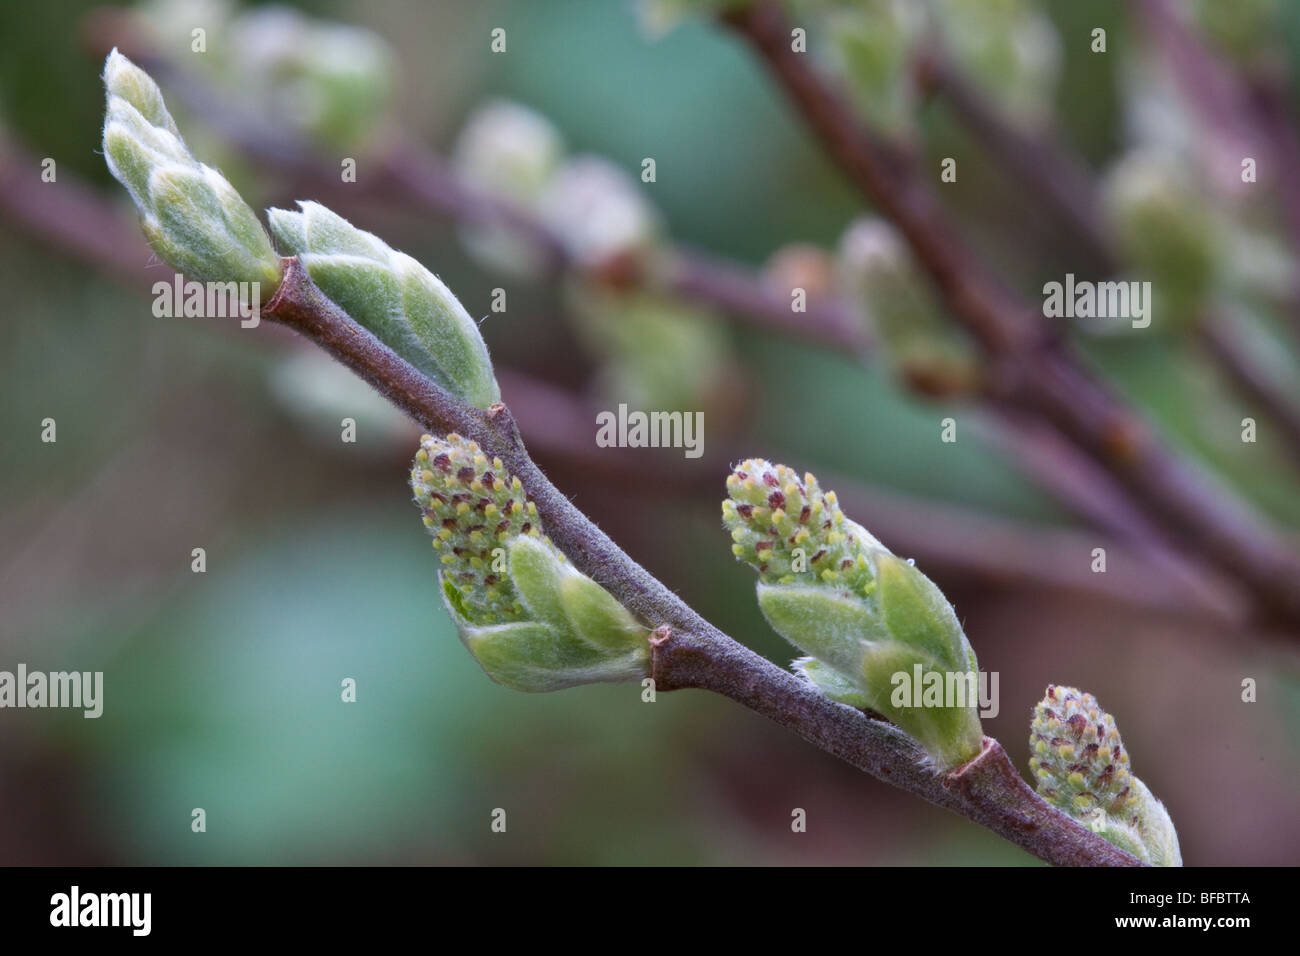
x=872, y=624
x=1082, y=768
x=532, y=620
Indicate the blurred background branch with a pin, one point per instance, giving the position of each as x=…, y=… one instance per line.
x=1036, y=372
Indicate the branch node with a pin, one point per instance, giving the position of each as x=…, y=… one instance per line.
x=293, y=272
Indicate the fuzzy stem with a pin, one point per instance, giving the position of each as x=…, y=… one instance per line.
x=687, y=650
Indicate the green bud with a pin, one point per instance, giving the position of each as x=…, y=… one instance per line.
x=511, y=152
x=473, y=508
x=404, y=304
x=123, y=78
x=1120, y=831
x=828, y=625
x=598, y=212
x=508, y=150
x=772, y=512
x=1010, y=48
x=194, y=218
x=532, y=620
x=330, y=80
x=1083, y=769
x=1159, y=838
x=867, y=619
x=870, y=47
x=1167, y=230
x=654, y=351
x=876, y=271
x=595, y=613
x=915, y=611
x=1077, y=755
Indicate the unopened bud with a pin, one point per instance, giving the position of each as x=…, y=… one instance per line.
x=598, y=211
x=1083, y=768
x=869, y=620
x=532, y=620
x=404, y=304
x=193, y=217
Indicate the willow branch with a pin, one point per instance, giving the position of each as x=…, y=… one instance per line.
x=1223, y=342
x=1032, y=368
x=688, y=652
x=1061, y=182
x=1249, y=113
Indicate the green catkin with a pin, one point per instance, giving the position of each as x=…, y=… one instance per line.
x=866, y=618
x=1082, y=768
x=531, y=620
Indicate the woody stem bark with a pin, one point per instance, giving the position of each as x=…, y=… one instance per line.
x=687, y=650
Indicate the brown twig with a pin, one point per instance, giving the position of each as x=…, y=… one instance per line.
x=1223, y=342
x=688, y=652
x=1032, y=369
x=1061, y=182
x=1249, y=112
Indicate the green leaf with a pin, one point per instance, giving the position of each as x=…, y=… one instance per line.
x=193, y=217
x=951, y=734
x=820, y=622
x=404, y=304
x=831, y=682
x=535, y=570
x=597, y=617
x=917, y=614
x=535, y=657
